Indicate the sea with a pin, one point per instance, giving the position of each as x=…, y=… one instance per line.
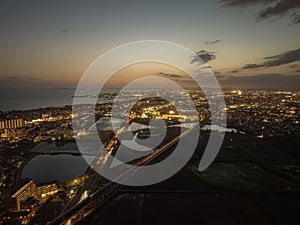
x=21, y=99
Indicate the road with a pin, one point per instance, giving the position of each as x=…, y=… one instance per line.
x=88, y=205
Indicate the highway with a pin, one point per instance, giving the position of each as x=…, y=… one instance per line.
x=88, y=205
x=92, y=175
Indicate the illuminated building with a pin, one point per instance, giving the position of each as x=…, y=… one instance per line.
x=172, y=117
x=16, y=217
x=18, y=198
x=20, y=193
x=12, y=124
x=46, y=190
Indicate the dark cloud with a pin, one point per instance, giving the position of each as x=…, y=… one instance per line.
x=272, y=8
x=189, y=81
x=233, y=71
x=263, y=81
x=244, y=3
x=13, y=77
x=171, y=75
x=204, y=55
x=212, y=42
x=183, y=80
x=277, y=60
x=251, y=66
x=295, y=18
x=24, y=82
x=284, y=58
x=279, y=9
x=23, y=77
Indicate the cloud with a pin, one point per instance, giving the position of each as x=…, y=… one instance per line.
x=251, y=66
x=295, y=18
x=270, y=81
x=9, y=82
x=277, y=60
x=13, y=77
x=263, y=81
x=171, y=75
x=284, y=58
x=272, y=8
x=233, y=71
x=190, y=81
x=294, y=66
x=212, y=42
x=279, y=9
x=204, y=55
x=23, y=77
x=244, y=3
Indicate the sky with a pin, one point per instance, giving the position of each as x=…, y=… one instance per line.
x=51, y=43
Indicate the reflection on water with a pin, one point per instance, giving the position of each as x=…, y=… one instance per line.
x=220, y=129
x=62, y=167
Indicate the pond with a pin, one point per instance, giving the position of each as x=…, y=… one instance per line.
x=61, y=167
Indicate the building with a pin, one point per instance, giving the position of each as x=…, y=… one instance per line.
x=12, y=201
x=20, y=197
x=16, y=217
x=173, y=117
x=46, y=190
x=12, y=124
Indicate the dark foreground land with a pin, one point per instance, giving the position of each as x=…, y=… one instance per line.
x=252, y=181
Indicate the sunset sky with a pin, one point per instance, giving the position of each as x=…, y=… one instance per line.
x=52, y=43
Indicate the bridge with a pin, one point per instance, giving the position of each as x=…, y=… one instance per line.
x=108, y=191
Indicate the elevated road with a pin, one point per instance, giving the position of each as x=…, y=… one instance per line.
x=108, y=191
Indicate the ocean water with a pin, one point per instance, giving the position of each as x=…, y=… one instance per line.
x=19, y=99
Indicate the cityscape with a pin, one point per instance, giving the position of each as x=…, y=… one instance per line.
x=150, y=112
x=263, y=116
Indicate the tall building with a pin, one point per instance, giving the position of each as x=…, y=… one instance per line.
x=16, y=200
x=21, y=192
x=12, y=123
